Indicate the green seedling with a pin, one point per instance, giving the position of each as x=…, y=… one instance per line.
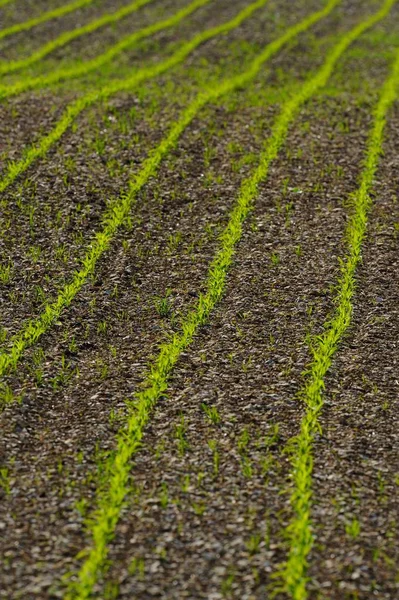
x=163, y=305
x=242, y=444
x=164, y=495
x=185, y=484
x=173, y=242
x=199, y=508
x=246, y=364
x=81, y=506
x=180, y=435
x=273, y=437
x=5, y=274
x=3, y=334
x=213, y=446
x=137, y=568
x=39, y=294
x=102, y=368
x=246, y=467
x=274, y=257
x=212, y=413
x=5, y=482
x=352, y=528
x=243, y=441
x=226, y=587
x=253, y=544
x=65, y=374
x=102, y=327
x=111, y=590
x=7, y=396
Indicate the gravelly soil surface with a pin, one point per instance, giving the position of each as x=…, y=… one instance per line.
x=210, y=500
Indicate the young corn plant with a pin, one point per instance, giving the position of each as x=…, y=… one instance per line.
x=212, y=413
x=163, y=305
x=213, y=446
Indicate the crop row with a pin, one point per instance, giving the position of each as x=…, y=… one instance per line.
x=43, y=18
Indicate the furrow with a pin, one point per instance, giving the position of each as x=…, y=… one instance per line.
x=110, y=501
x=73, y=110
x=68, y=36
x=299, y=531
x=47, y=16
x=31, y=332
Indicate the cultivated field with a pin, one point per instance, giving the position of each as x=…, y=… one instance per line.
x=199, y=287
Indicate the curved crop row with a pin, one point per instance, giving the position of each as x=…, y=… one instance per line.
x=47, y=16
x=74, y=109
x=84, y=68
x=299, y=531
x=34, y=328
x=68, y=36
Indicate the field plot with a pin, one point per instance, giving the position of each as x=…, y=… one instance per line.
x=199, y=291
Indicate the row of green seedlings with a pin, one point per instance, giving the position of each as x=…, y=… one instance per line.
x=294, y=572
x=24, y=214
x=193, y=487
x=107, y=514
x=25, y=197
x=17, y=168
x=83, y=69
x=163, y=304
x=56, y=13
x=120, y=211
x=65, y=37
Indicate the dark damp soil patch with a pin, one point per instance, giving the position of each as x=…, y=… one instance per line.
x=247, y=363
x=356, y=470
